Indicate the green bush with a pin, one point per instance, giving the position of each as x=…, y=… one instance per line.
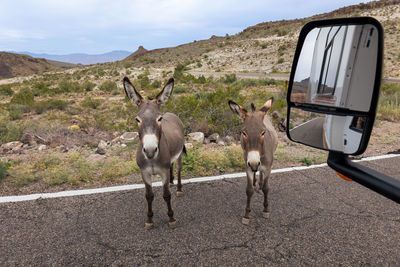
x=280, y=60
x=88, y=86
x=90, y=102
x=108, y=86
x=230, y=78
x=49, y=104
x=67, y=86
x=10, y=131
x=3, y=169
x=6, y=90
x=23, y=97
x=16, y=111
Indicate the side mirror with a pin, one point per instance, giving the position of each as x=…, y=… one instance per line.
x=333, y=94
x=334, y=84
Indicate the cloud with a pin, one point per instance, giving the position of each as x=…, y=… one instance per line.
x=128, y=23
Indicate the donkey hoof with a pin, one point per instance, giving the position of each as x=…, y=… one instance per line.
x=179, y=193
x=265, y=214
x=172, y=225
x=148, y=226
x=245, y=221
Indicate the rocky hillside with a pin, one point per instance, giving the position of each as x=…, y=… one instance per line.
x=268, y=46
x=12, y=65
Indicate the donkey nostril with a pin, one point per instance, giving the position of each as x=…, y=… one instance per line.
x=144, y=150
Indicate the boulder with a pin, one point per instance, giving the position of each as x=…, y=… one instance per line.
x=213, y=138
x=197, y=137
x=42, y=147
x=14, y=146
x=28, y=139
x=128, y=137
x=189, y=145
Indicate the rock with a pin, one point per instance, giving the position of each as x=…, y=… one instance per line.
x=197, y=137
x=123, y=145
x=42, y=147
x=100, y=151
x=221, y=141
x=230, y=139
x=102, y=144
x=206, y=141
x=275, y=115
x=213, y=138
x=116, y=140
x=63, y=149
x=94, y=158
x=28, y=139
x=40, y=140
x=15, y=146
x=128, y=137
x=101, y=147
x=188, y=145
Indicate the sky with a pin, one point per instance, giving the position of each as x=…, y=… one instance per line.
x=99, y=26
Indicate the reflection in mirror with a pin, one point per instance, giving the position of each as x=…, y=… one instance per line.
x=337, y=67
x=340, y=133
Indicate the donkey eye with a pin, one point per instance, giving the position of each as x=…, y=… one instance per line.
x=244, y=133
x=159, y=119
x=138, y=120
x=262, y=133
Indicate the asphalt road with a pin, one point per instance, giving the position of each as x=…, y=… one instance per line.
x=316, y=219
x=310, y=132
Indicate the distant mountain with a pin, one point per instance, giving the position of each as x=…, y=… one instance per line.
x=80, y=58
x=12, y=65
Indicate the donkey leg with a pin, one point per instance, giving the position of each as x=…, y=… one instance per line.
x=171, y=174
x=249, y=193
x=167, y=198
x=149, y=198
x=265, y=189
x=179, y=168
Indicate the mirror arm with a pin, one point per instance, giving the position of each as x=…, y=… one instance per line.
x=376, y=181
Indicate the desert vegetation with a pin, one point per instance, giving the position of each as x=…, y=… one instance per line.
x=75, y=127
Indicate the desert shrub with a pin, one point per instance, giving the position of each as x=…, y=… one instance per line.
x=230, y=78
x=41, y=89
x=6, y=90
x=67, y=86
x=88, y=86
x=9, y=130
x=90, y=102
x=23, y=97
x=156, y=84
x=16, y=111
x=3, y=169
x=108, y=86
x=280, y=60
x=49, y=104
x=389, y=102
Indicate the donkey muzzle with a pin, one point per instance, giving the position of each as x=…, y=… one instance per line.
x=150, y=152
x=253, y=160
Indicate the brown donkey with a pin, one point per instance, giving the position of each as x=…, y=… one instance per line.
x=259, y=141
x=161, y=143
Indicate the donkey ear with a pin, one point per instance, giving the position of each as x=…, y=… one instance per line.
x=166, y=92
x=131, y=92
x=267, y=106
x=237, y=109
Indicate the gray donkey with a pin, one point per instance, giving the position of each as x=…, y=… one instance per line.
x=259, y=141
x=161, y=143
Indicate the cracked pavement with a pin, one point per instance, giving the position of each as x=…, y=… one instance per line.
x=316, y=219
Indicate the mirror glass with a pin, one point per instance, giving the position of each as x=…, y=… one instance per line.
x=337, y=66
x=331, y=132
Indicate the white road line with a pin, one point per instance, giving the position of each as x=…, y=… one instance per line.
x=71, y=193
